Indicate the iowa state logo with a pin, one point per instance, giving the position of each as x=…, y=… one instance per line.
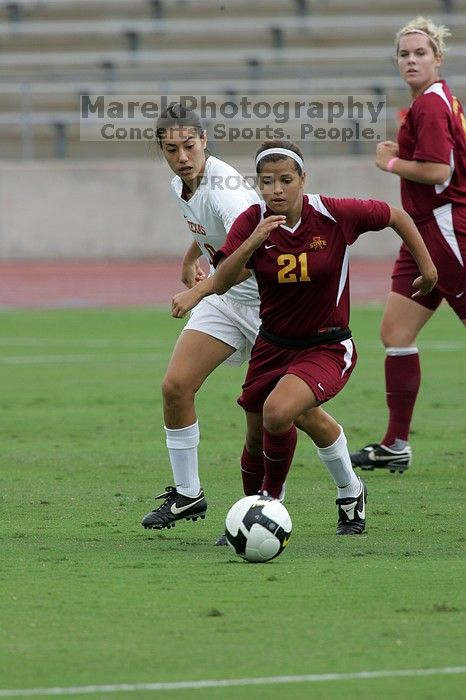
x=317, y=243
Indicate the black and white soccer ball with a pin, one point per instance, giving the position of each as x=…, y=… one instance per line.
x=258, y=528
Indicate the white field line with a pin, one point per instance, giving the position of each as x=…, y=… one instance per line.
x=136, y=344
x=82, y=342
x=436, y=345
x=73, y=359
x=228, y=683
x=439, y=346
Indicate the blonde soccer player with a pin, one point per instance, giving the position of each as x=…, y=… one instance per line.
x=430, y=161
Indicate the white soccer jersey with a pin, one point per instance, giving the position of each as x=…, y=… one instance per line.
x=220, y=198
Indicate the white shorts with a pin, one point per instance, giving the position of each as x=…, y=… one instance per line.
x=233, y=323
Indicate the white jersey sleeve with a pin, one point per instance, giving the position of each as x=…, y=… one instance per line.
x=220, y=198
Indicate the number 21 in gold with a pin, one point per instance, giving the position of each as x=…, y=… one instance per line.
x=289, y=263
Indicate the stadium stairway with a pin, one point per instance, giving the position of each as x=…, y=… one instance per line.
x=53, y=51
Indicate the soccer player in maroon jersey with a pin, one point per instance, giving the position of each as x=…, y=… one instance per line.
x=297, y=245
x=430, y=159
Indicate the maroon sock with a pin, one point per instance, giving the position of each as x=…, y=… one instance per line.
x=278, y=454
x=402, y=380
x=252, y=472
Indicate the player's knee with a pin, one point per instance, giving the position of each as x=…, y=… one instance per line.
x=398, y=329
x=174, y=389
x=394, y=335
x=392, y=332
x=276, y=418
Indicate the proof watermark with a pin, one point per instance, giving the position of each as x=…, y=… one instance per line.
x=242, y=118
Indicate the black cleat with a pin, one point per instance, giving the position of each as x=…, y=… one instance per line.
x=175, y=507
x=375, y=456
x=352, y=513
x=221, y=541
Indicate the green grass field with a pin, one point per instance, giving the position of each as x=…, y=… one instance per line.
x=90, y=598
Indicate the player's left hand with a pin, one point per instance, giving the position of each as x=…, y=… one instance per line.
x=192, y=273
x=200, y=274
x=265, y=228
x=424, y=284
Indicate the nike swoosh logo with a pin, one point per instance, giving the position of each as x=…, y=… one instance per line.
x=362, y=513
x=176, y=511
x=386, y=458
x=458, y=296
x=272, y=245
x=285, y=541
x=349, y=510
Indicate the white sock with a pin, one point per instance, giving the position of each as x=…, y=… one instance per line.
x=398, y=445
x=182, y=447
x=338, y=462
x=281, y=496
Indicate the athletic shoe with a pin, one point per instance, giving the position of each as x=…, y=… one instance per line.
x=221, y=541
x=175, y=507
x=378, y=456
x=352, y=513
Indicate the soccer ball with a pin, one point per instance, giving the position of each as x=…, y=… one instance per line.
x=258, y=528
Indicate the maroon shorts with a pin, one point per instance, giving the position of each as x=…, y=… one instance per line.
x=447, y=248
x=324, y=368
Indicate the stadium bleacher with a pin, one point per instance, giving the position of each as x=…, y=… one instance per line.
x=53, y=51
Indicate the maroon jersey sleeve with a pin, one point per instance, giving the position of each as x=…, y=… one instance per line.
x=356, y=216
x=431, y=119
x=241, y=228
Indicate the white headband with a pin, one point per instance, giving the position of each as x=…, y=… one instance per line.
x=281, y=152
x=420, y=31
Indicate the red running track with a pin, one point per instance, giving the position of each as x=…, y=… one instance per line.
x=45, y=285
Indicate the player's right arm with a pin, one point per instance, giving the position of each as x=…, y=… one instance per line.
x=405, y=227
x=430, y=164
x=191, y=271
x=230, y=267
x=424, y=172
